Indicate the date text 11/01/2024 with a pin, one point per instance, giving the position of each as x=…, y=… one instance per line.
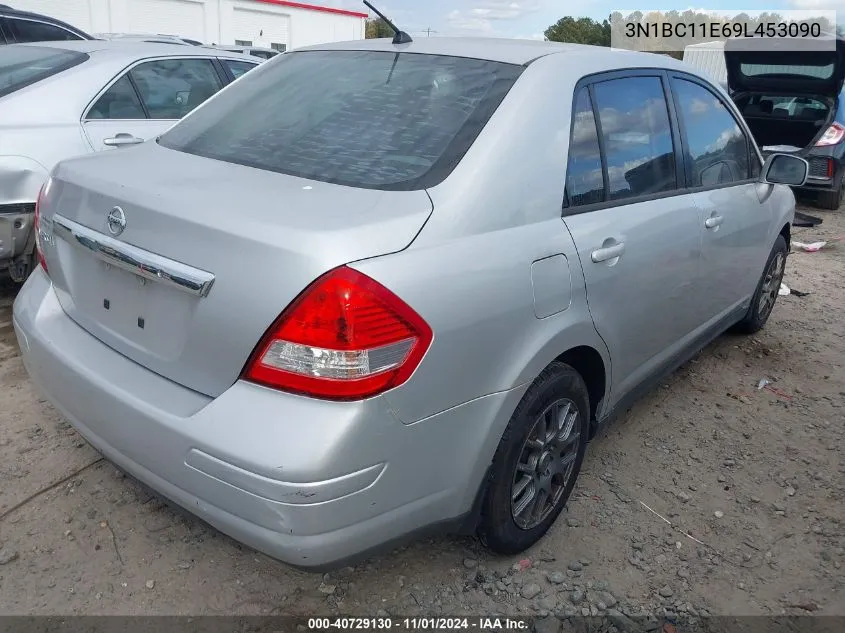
x=419, y=624
x=718, y=30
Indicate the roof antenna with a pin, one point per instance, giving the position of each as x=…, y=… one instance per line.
x=399, y=37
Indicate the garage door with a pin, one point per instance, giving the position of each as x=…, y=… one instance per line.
x=171, y=17
x=262, y=28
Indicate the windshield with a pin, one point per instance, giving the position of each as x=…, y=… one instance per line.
x=21, y=66
x=370, y=119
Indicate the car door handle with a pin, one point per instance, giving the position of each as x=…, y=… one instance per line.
x=713, y=221
x=118, y=140
x=607, y=252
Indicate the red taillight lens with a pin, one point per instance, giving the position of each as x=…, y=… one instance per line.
x=346, y=337
x=39, y=250
x=832, y=135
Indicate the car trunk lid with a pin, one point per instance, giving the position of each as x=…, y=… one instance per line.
x=786, y=66
x=181, y=262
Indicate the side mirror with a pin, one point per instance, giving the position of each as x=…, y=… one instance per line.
x=785, y=169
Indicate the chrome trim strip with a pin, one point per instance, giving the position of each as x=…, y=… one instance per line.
x=136, y=260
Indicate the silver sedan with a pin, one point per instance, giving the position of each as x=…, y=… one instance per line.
x=62, y=99
x=377, y=288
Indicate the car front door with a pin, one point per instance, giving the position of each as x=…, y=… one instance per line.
x=735, y=217
x=635, y=226
x=148, y=99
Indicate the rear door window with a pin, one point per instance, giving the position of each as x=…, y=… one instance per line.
x=21, y=66
x=238, y=68
x=23, y=31
x=717, y=146
x=584, y=179
x=120, y=101
x=636, y=135
x=369, y=119
x=170, y=88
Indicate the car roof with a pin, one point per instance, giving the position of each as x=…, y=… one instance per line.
x=233, y=47
x=8, y=11
x=132, y=49
x=509, y=51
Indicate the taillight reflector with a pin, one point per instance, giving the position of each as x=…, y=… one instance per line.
x=346, y=337
x=832, y=135
x=39, y=249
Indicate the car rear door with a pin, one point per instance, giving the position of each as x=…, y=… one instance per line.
x=635, y=226
x=149, y=98
x=722, y=167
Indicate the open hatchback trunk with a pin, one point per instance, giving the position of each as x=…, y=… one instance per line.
x=787, y=96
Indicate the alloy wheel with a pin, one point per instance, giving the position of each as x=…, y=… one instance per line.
x=545, y=463
x=771, y=285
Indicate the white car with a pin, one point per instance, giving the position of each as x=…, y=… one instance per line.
x=62, y=99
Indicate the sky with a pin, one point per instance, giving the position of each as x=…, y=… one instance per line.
x=529, y=18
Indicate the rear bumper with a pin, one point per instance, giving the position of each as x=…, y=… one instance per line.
x=309, y=482
x=825, y=170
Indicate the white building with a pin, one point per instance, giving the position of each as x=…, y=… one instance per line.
x=275, y=24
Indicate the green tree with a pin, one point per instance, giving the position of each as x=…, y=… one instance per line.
x=580, y=31
x=378, y=28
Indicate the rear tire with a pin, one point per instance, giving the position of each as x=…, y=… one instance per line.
x=766, y=294
x=537, y=461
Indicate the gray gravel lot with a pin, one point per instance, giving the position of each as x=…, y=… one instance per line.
x=710, y=496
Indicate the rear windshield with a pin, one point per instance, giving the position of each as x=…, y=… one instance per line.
x=815, y=72
x=369, y=119
x=22, y=66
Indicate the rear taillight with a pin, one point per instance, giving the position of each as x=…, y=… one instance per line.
x=346, y=337
x=39, y=248
x=832, y=135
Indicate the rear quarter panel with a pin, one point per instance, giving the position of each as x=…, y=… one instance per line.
x=469, y=272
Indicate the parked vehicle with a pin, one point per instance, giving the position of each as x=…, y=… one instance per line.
x=64, y=99
x=255, y=51
x=374, y=289
x=792, y=102
x=709, y=58
x=24, y=26
x=148, y=37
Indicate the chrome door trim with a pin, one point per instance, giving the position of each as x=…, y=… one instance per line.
x=133, y=259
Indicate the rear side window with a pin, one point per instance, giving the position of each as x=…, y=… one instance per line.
x=170, y=88
x=637, y=136
x=21, y=66
x=238, y=68
x=23, y=31
x=368, y=119
x=584, y=180
x=716, y=144
x=118, y=102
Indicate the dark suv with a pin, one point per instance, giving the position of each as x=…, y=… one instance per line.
x=792, y=102
x=22, y=26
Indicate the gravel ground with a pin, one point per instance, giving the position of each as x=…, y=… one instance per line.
x=709, y=497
